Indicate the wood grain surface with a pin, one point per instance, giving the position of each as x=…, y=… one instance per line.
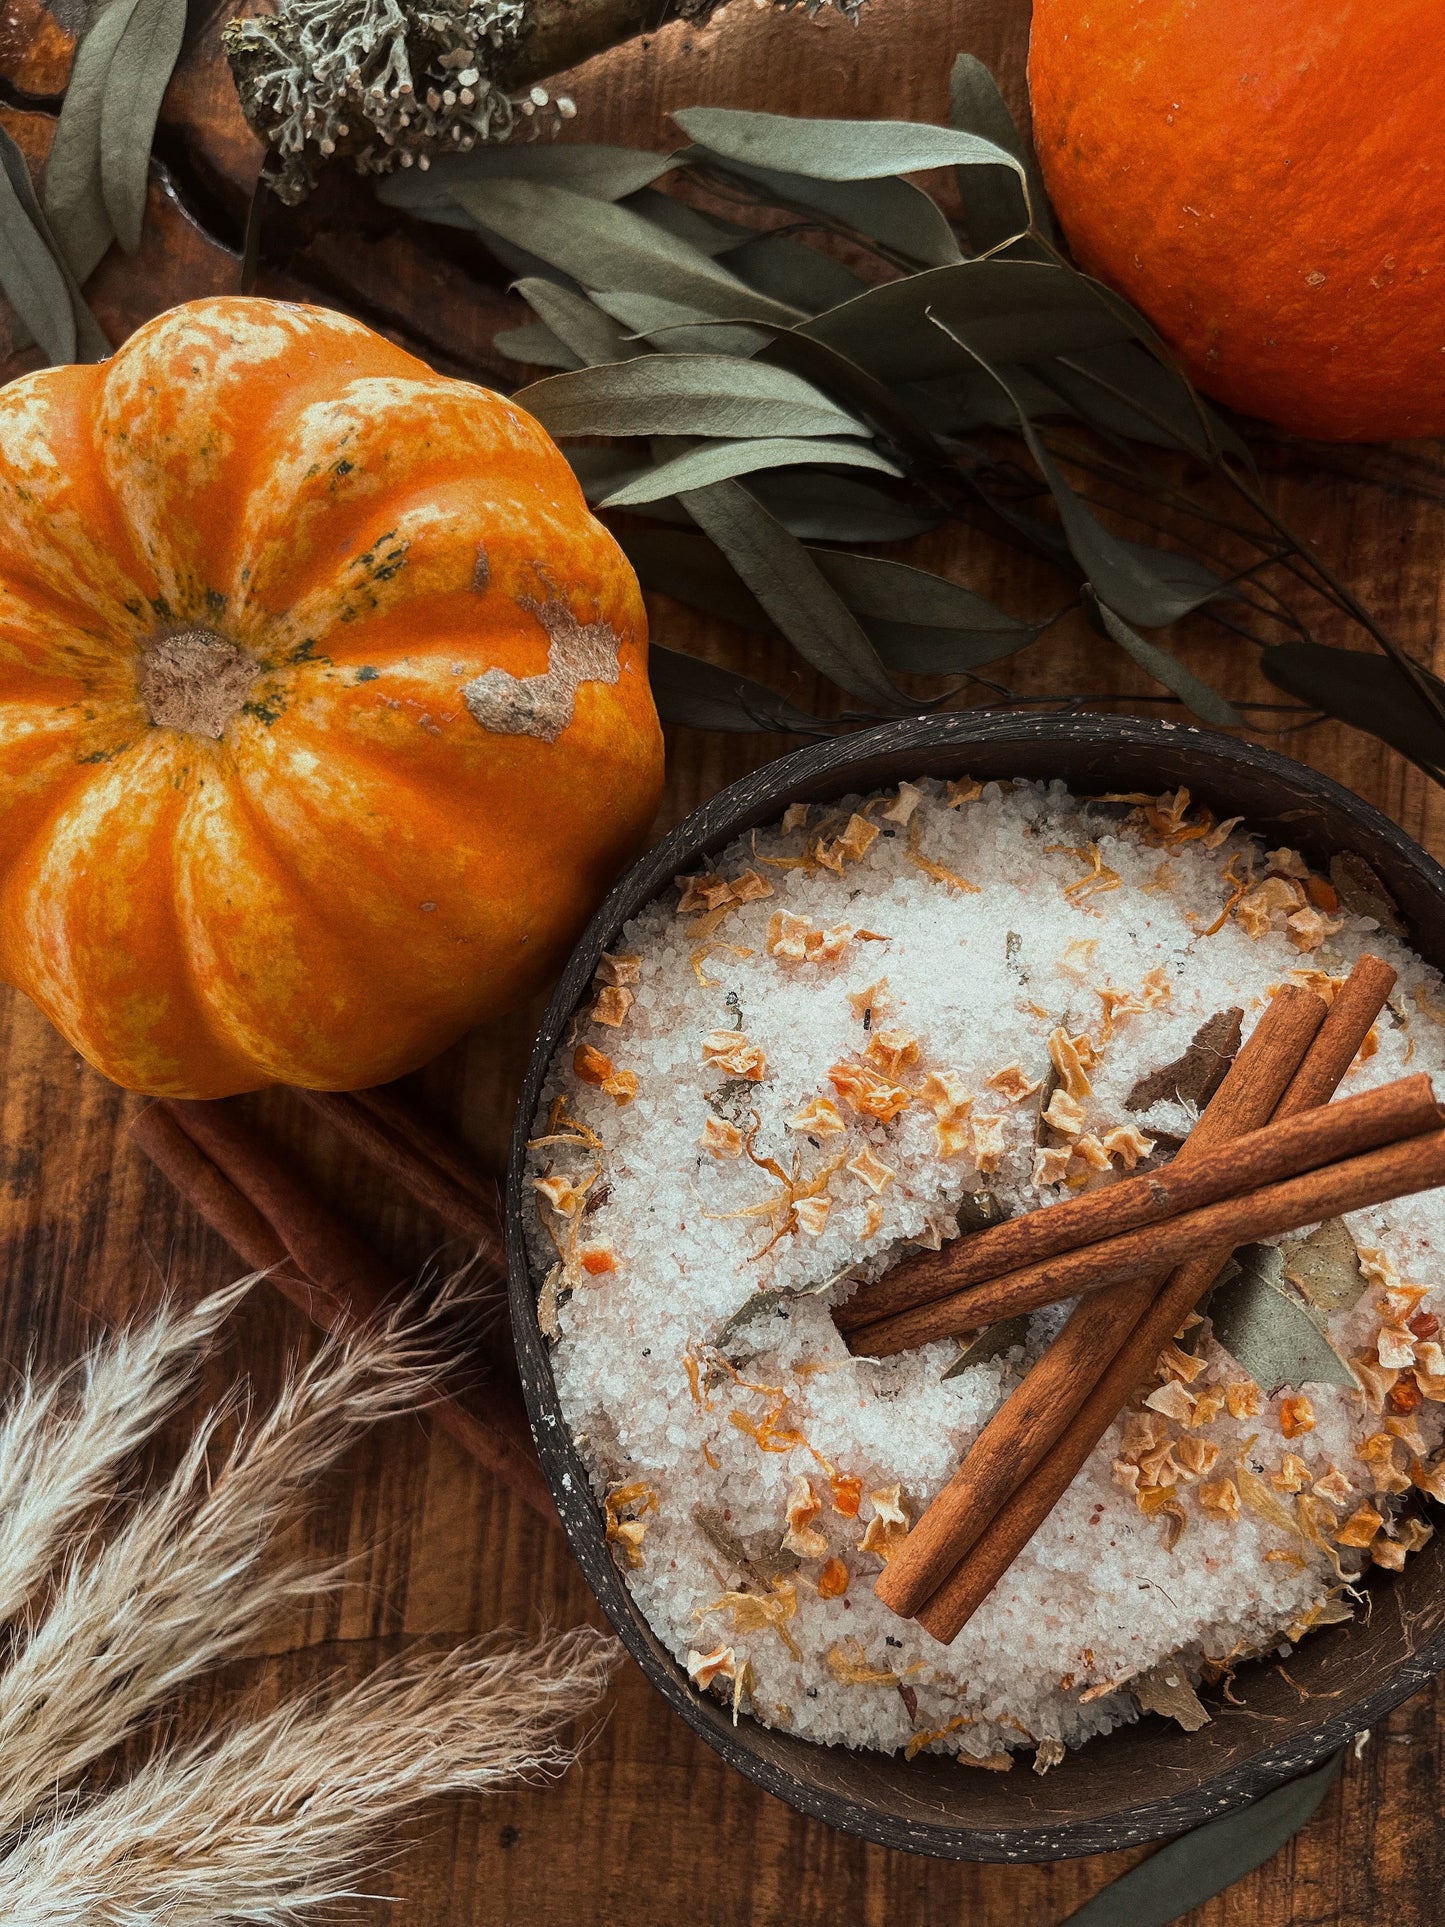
x=650, y=1826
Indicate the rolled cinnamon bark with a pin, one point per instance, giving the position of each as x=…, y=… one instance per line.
x=1002, y=1530
x=214, y=1159
x=1198, y=1176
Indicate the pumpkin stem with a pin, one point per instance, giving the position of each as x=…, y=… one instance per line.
x=194, y=679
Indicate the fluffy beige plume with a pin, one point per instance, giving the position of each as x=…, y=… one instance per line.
x=109, y=1621
x=280, y=1817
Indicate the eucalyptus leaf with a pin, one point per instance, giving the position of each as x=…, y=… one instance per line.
x=536, y=345
x=603, y=246
x=892, y=211
x=1369, y=691
x=995, y=201
x=1363, y=894
x=818, y=506
x=838, y=150
x=136, y=80
x=581, y=326
x=1004, y=311
x=702, y=696
x=600, y=470
x=1123, y=388
x=706, y=232
x=793, y=272
x=73, y=195
x=1186, y=1872
x=1206, y=703
x=1165, y=1689
x=1269, y=1329
x=788, y=583
x=678, y=329
x=720, y=461
x=603, y=173
x=31, y=277
x=1325, y=1266
x=715, y=395
x=990, y=1343
x=86, y=339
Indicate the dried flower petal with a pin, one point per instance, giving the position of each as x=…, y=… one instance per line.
x=722, y=1139
x=1296, y=1415
x=1360, y=1528
x=1012, y=1084
x=612, y=1005
x=833, y=1580
x=1221, y=1497
x=871, y=1169
x=730, y=1051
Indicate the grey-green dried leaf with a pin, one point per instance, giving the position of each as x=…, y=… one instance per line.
x=140, y=70
x=791, y=271
x=91, y=343
x=1006, y=311
x=788, y=583
x=1269, y=1329
x=73, y=196
x=837, y=150
x=676, y=328
x=820, y=507
x=32, y=279
x=1165, y=1689
x=604, y=246
x=700, y=695
x=1207, y=704
x=1361, y=892
x=536, y=346
x=1367, y=691
x=706, y=232
x=892, y=211
x=993, y=1342
x=581, y=326
x=601, y=469
x=663, y=394
x=995, y=203
x=1126, y=390
x=754, y=1556
x=733, y=1337
x=1193, y=1078
x=603, y=173
x=1325, y=1266
x=717, y=461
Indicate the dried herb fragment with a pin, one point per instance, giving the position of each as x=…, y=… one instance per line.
x=978, y=1210
x=1196, y=1076
x=761, y=1559
x=1166, y=1690
x=1273, y=1334
x=1325, y=1266
x=991, y=1343
x=1361, y=891
x=764, y=1299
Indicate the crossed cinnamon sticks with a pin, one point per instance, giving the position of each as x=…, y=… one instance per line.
x=215, y=1158
x=1262, y=1159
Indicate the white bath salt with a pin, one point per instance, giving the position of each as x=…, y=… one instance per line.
x=806, y=1112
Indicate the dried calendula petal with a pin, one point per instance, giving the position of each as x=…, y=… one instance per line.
x=812, y=1214
x=1065, y=1114
x=866, y=1003
x=989, y=1142
x=849, y=1665
x=833, y=1580
x=1172, y=1400
x=1051, y=1164
x=1243, y=1398
x=826, y=946
x=1296, y=1415
x=750, y=887
x=1258, y=905
x=1128, y=1144
x=1013, y=1084
x=901, y=809
x=803, y=1507
x=1360, y=1528
x=872, y=1219
x=597, y=1260
x=618, y=970
x=1078, y=956
x=892, y=1051
x=847, y=1494
x=708, y=892
x=795, y=817
x=1221, y=1497
x=1293, y=1474
x=1196, y=1457
x=871, y=1169
x=963, y=789
x=759, y=1612
x=858, y=838
x=889, y=1525
x=625, y=1509
x=730, y=1051
x=1307, y=929
x=565, y=1197
x=1068, y=1054
x=819, y=1117
x=722, y=1139
x=1090, y=1151
x=943, y=1093
x=704, y=1668
x=1334, y=1486
x=787, y=936
x=612, y=1005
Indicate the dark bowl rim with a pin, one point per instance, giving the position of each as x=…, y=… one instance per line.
x=821, y=769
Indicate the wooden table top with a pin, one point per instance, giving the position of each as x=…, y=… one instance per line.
x=650, y=1825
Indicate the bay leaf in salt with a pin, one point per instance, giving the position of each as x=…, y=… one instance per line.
x=1269, y=1329
x=765, y=1299
x=1166, y=1689
x=1361, y=891
x=1325, y=1266
x=992, y=1342
x=753, y=1556
x=977, y=1210
x=1197, y=1075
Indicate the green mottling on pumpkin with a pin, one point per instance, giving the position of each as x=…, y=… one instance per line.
x=367, y=673
x=266, y=709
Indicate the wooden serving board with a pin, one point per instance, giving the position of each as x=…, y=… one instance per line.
x=650, y=1826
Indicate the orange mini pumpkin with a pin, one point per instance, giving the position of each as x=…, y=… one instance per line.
x=324, y=715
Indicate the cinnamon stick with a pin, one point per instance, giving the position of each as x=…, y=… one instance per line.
x=216, y=1161
x=1198, y=1176
x=1032, y=1497
x=437, y=1173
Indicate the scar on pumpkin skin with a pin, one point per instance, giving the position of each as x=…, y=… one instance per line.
x=482, y=573
x=543, y=705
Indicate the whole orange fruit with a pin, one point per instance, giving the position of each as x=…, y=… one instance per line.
x=324, y=713
x=1265, y=179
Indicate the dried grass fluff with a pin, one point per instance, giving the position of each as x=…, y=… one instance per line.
x=823, y=1052
x=114, y=1604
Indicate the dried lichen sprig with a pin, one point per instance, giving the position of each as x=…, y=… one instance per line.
x=276, y=1820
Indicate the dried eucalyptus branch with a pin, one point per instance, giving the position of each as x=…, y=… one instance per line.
x=789, y=349
x=115, y=1608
